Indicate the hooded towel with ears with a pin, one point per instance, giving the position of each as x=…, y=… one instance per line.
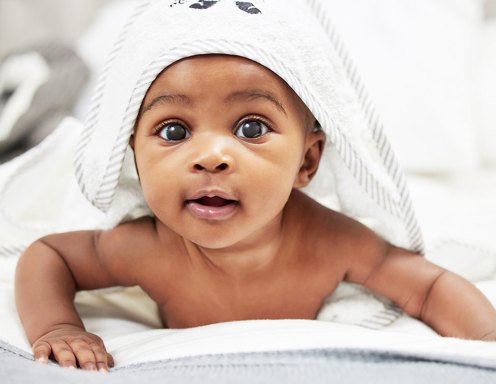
x=293, y=38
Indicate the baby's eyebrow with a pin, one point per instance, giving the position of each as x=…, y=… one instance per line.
x=168, y=99
x=252, y=94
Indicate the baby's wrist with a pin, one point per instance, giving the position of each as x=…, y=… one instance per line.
x=491, y=336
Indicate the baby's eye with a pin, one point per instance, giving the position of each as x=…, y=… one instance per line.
x=252, y=129
x=173, y=132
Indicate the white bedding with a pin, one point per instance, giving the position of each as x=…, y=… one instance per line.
x=128, y=322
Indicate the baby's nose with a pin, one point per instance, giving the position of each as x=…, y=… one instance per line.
x=212, y=166
x=213, y=156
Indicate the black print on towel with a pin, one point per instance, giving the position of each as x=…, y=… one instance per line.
x=245, y=6
x=248, y=7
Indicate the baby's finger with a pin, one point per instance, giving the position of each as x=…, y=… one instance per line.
x=100, y=356
x=110, y=360
x=63, y=354
x=84, y=355
x=41, y=351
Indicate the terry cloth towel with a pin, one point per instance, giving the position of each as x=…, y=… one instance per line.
x=359, y=174
x=294, y=39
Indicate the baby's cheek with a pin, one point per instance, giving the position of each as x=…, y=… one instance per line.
x=157, y=194
x=274, y=186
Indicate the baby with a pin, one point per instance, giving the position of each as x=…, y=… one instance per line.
x=222, y=146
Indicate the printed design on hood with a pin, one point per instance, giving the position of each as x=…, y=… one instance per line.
x=245, y=6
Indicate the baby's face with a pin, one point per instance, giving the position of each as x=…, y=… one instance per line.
x=219, y=144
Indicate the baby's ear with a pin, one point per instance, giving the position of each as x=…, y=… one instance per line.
x=313, y=152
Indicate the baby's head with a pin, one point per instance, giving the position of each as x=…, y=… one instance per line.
x=220, y=142
x=227, y=127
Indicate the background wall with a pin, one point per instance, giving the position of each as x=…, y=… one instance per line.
x=491, y=8
x=27, y=21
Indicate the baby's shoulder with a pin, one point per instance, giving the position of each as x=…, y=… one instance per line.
x=128, y=240
x=332, y=233
x=318, y=219
x=132, y=248
x=130, y=231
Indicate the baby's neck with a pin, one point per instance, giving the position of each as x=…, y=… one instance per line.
x=242, y=260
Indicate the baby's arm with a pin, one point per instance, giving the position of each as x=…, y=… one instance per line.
x=448, y=303
x=47, y=277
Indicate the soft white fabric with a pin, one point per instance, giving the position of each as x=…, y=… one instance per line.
x=485, y=101
x=419, y=62
x=458, y=215
x=96, y=43
x=40, y=195
x=129, y=325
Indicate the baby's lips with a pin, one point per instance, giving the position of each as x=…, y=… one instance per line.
x=212, y=212
x=211, y=193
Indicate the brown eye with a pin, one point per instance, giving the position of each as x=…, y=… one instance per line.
x=173, y=132
x=252, y=129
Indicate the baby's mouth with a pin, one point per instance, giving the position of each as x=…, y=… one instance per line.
x=214, y=201
x=212, y=207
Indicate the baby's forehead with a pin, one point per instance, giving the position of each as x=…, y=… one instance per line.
x=213, y=75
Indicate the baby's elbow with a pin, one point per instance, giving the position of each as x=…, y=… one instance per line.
x=413, y=305
x=424, y=301
x=417, y=302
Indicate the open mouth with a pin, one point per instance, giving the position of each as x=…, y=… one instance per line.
x=212, y=207
x=214, y=201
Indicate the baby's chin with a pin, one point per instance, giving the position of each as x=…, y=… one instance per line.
x=230, y=238
x=214, y=240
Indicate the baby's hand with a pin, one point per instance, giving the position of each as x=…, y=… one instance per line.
x=69, y=345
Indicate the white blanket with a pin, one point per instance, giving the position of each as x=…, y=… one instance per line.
x=128, y=323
